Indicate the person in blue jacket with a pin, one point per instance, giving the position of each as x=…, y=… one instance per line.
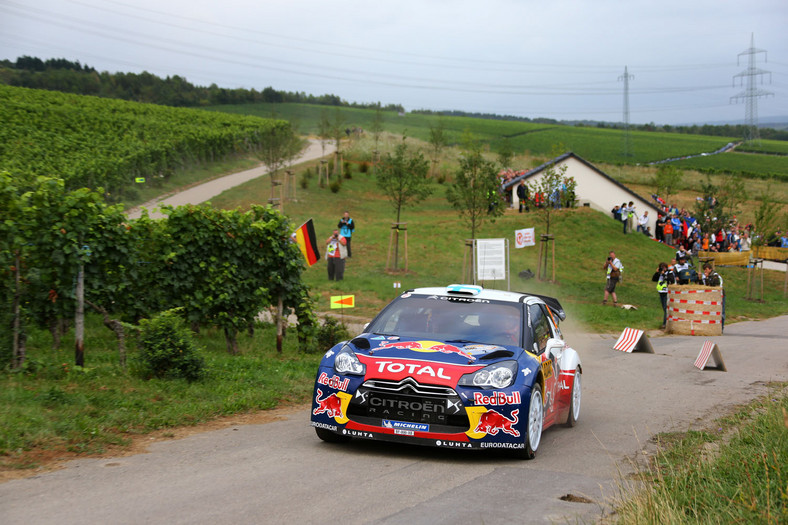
x=346, y=226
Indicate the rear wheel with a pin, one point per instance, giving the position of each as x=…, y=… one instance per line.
x=533, y=430
x=330, y=437
x=574, y=401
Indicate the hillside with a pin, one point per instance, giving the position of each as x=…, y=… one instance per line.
x=436, y=254
x=98, y=142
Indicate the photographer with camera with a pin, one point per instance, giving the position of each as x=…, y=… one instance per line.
x=336, y=252
x=613, y=269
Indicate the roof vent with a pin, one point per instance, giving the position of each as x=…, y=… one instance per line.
x=465, y=289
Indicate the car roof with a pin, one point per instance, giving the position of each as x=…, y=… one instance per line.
x=478, y=292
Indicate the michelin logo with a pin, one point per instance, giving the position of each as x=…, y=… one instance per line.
x=405, y=425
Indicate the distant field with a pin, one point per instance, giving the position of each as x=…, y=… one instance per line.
x=774, y=147
x=746, y=164
x=599, y=145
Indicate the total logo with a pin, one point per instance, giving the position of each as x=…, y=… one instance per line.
x=497, y=398
x=334, y=382
x=414, y=369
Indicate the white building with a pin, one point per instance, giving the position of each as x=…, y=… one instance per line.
x=594, y=188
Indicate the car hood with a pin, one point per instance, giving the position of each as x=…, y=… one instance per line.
x=450, y=352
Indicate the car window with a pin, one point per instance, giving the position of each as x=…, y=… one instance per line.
x=540, y=327
x=440, y=318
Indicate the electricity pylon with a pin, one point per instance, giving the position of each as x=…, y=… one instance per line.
x=751, y=93
x=627, y=141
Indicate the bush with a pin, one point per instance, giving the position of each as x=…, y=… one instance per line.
x=364, y=168
x=347, y=170
x=335, y=186
x=167, y=348
x=330, y=333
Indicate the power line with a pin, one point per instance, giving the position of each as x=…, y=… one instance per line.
x=751, y=93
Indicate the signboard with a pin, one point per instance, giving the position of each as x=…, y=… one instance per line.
x=491, y=259
x=343, y=301
x=524, y=237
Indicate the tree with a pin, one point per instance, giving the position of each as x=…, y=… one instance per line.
x=475, y=192
x=505, y=153
x=550, y=187
x=720, y=203
x=277, y=148
x=226, y=266
x=667, y=181
x=403, y=178
x=437, y=142
x=377, y=128
x=337, y=129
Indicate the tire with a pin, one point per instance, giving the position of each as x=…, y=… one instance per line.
x=534, y=423
x=330, y=437
x=574, y=401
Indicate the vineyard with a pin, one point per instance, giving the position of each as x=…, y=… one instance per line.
x=597, y=145
x=110, y=144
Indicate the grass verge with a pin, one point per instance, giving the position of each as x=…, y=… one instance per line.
x=52, y=405
x=735, y=472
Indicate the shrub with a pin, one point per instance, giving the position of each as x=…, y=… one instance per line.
x=364, y=168
x=330, y=333
x=167, y=348
x=347, y=170
x=335, y=186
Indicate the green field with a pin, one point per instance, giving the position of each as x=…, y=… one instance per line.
x=599, y=145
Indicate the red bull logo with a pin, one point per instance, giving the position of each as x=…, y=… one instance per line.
x=492, y=421
x=330, y=405
x=497, y=398
x=428, y=346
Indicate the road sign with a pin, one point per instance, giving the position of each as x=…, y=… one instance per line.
x=343, y=301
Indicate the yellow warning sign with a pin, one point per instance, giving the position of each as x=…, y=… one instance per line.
x=343, y=301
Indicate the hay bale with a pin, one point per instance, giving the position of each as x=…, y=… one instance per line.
x=694, y=309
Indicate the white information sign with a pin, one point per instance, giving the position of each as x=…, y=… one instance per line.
x=524, y=237
x=490, y=259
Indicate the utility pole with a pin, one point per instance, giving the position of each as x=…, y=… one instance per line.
x=751, y=93
x=627, y=140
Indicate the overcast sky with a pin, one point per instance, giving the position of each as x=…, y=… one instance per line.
x=562, y=59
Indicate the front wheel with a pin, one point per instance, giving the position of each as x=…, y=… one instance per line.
x=330, y=437
x=574, y=401
x=533, y=430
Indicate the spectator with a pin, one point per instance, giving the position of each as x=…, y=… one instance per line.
x=659, y=229
x=616, y=211
x=522, y=196
x=631, y=217
x=624, y=215
x=613, y=269
x=712, y=278
x=667, y=231
x=336, y=252
x=643, y=222
x=745, y=243
x=663, y=277
x=346, y=227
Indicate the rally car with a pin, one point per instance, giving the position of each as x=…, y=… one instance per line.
x=458, y=367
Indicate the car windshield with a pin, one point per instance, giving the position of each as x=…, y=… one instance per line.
x=460, y=319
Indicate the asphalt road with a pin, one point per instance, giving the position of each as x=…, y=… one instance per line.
x=280, y=472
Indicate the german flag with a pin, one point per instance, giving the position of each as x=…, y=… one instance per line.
x=304, y=236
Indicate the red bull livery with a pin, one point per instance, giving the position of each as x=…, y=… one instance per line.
x=456, y=367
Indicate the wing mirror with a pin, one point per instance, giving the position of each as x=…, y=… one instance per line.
x=555, y=347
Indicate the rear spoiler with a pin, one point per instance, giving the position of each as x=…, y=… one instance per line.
x=552, y=303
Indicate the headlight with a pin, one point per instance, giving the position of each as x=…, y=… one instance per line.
x=498, y=375
x=346, y=362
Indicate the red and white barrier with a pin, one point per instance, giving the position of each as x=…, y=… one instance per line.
x=632, y=340
x=710, y=350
